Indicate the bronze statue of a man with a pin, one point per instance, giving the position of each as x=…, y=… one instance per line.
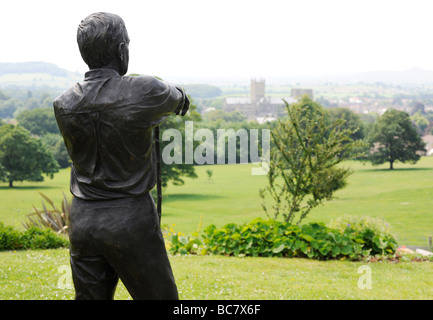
x=107, y=125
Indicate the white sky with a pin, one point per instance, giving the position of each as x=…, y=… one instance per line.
x=232, y=38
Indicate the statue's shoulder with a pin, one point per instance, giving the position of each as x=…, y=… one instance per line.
x=151, y=83
x=68, y=97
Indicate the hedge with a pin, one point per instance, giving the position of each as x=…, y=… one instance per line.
x=32, y=238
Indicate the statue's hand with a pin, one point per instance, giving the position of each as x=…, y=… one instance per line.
x=183, y=106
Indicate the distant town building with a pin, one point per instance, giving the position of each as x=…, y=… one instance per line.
x=260, y=107
x=298, y=93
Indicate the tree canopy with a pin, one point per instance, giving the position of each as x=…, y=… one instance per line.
x=54, y=143
x=233, y=116
x=394, y=138
x=23, y=157
x=351, y=121
x=38, y=121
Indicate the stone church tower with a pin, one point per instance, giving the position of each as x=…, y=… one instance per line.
x=257, y=90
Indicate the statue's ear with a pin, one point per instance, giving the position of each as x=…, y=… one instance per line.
x=121, y=51
x=123, y=56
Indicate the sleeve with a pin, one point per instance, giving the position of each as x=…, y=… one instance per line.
x=160, y=100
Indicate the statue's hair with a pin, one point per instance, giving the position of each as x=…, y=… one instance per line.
x=98, y=37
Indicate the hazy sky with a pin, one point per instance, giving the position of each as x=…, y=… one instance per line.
x=232, y=38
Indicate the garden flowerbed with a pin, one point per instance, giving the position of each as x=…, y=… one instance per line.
x=270, y=238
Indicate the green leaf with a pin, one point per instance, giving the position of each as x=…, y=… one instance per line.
x=346, y=250
x=335, y=251
x=236, y=236
x=306, y=237
x=324, y=250
x=279, y=248
x=297, y=244
x=380, y=243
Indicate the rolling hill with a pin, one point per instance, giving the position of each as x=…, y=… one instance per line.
x=36, y=74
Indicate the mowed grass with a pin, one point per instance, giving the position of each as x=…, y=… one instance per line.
x=403, y=197
x=45, y=275
x=16, y=202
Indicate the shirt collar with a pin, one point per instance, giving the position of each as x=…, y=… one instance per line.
x=95, y=74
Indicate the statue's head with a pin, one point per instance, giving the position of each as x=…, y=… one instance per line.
x=103, y=41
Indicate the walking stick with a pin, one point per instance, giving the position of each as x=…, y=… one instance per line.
x=183, y=110
x=158, y=172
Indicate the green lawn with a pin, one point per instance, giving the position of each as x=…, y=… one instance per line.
x=17, y=202
x=42, y=274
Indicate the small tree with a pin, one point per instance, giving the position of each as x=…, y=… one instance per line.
x=209, y=174
x=304, y=156
x=395, y=138
x=23, y=157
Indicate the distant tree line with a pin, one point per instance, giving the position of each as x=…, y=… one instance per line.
x=15, y=100
x=391, y=137
x=202, y=90
x=36, y=129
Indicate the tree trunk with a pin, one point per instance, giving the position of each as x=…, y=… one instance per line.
x=11, y=184
x=390, y=165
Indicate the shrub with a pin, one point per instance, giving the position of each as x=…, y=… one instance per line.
x=32, y=238
x=10, y=239
x=281, y=239
x=54, y=218
x=375, y=231
x=377, y=224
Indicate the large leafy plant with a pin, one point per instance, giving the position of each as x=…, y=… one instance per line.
x=271, y=238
